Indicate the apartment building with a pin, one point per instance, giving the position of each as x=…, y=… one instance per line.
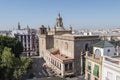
x=111, y=68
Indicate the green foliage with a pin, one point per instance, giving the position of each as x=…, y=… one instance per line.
x=13, y=43
x=12, y=67
x=23, y=63
x=6, y=62
x=7, y=58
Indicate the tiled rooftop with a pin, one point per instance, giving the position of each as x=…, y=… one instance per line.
x=103, y=44
x=59, y=56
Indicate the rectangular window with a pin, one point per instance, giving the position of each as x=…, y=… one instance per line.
x=25, y=49
x=25, y=38
x=89, y=67
x=66, y=67
x=70, y=66
x=51, y=61
x=60, y=66
x=96, y=70
x=57, y=65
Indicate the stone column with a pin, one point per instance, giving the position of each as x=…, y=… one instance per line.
x=73, y=66
x=62, y=69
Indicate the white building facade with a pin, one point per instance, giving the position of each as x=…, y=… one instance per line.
x=27, y=38
x=100, y=68
x=111, y=68
x=103, y=48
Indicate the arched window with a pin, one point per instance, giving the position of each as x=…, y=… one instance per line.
x=97, y=52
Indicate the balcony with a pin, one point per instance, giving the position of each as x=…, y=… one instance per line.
x=61, y=57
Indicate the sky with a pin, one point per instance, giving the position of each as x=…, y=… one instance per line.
x=90, y=14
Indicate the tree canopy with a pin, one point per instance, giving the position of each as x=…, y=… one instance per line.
x=11, y=67
x=13, y=43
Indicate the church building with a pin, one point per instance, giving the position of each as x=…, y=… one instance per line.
x=63, y=50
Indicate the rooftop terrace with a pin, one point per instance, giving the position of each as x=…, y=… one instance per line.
x=56, y=54
x=115, y=60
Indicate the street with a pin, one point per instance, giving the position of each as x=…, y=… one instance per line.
x=40, y=71
x=37, y=70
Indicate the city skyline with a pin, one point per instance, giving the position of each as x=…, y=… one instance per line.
x=77, y=13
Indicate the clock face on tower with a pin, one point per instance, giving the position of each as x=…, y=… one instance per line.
x=97, y=52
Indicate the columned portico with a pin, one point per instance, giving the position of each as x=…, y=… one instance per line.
x=68, y=68
x=61, y=64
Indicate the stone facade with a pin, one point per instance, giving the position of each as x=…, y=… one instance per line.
x=62, y=50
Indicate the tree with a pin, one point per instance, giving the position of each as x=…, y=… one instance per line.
x=20, y=70
x=13, y=43
x=7, y=62
x=12, y=67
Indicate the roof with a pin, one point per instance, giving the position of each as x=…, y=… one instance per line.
x=52, y=50
x=60, y=56
x=103, y=44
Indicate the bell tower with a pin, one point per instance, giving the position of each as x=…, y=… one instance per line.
x=18, y=25
x=59, y=23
